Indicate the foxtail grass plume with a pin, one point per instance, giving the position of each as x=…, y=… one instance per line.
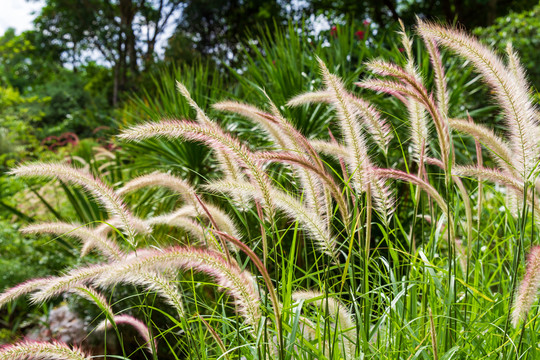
x=349, y=110
x=22, y=289
x=161, y=179
x=239, y=283
x=370, y=116
x=103, y=193
x=55, y=286
x=417, y=112
x=353, y=137
x=508, y=87
x=89, y=237
x=266, y=121
x=192, y=227
x=528, y=289
x=149, y=280
x=411, y=87
x=137, y=324
x=323, y=177
x=213, y=136
x=499, y=150
x=145, y=269
x=344, y=321
x=95, y=297
x=40, y=350
x=230, y=167
x=192, y=208
x=294, y=208
x=287, y=138
x=316, y=196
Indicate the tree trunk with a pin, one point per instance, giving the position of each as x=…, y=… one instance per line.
x=127, y=15
x=492, y=12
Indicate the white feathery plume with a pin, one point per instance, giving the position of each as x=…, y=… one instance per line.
x=440, y=77
x=95, y=297
x=265, y=120
x=188, y=193
x=359, y=162
x=371, y=117
x=144, y=269
x=508, y=90
x=382, y=196
x=354, y=140
x=428, y=188
x=22, y=289
x=514, y=202
x=201, y=233
x=527, y=291
x=61, y=284
x=516, y=185
x=149, y=280
x=321, y=176
x=514, y=64
x=210, y=134
x=240, y=284
x=379, y=191
x=311, y=97
x=391, y=87
x=311, y=221
x=375, y=124
x=230, y=167
x=174, y=183
x=315, y=194
x=137, y=324
x=499, y=149
x=103, y=193
x=419, y=129
x=417, y=113
x=494, y=175
x=40, y=350
x=412, y=87
x=89, y=237
x=201, y=115
x=345, y=324
x=101, y=275
x=415, y=108
x=334, y=149
x=180, y=219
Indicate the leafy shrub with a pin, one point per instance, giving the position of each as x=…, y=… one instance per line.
x=522, y=30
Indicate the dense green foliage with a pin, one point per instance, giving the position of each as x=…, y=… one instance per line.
x=522, y=29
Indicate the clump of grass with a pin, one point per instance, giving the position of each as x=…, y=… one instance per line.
x=393, y=272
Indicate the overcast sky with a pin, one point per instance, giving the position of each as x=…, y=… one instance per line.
x=18, y=14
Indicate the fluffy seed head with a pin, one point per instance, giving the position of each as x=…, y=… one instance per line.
x=39, y=350
x=526, y=294
x=509, y=90
x=137, y=324
x=103, y=193
x=89, y=237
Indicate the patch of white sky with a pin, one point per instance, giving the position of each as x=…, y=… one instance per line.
x=18, y=14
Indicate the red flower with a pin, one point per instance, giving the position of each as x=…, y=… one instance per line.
x=359, y=34
x=401, y=49
x=366, y=22
x=333, y=31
